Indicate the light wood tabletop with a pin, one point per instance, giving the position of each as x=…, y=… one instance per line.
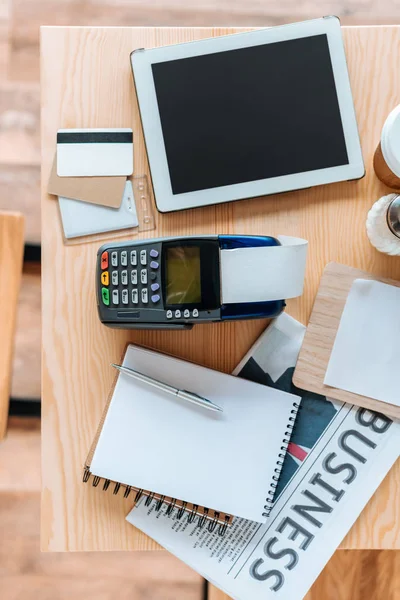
x=86, y=82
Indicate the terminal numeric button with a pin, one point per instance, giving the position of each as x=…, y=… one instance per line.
x=134, y=277
x=105, y=278
x=115, y=297
x=169, y=314
x=155, y=298
x=143, y=276
x=145, y=296
x=177, y=314
x=104, y=260
x=153, y=253
x=114, y=259
x=143, y=257
x=124, y=296
x=133, y=258
x=154, y=264
x=105, y=296
x=195, y=313
x=124, y=277
x=114, y=277
x=124, y=258
x=135, y=297
x=186, y=313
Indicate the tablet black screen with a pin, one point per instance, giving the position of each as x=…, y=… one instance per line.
x=249, y=114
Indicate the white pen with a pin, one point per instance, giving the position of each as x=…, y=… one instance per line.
x=165, y=387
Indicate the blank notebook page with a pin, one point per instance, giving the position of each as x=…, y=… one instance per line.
x=223, y=461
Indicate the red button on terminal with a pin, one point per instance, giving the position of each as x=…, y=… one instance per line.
x=104, y=260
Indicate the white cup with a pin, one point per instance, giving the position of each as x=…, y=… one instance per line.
x=387, y=154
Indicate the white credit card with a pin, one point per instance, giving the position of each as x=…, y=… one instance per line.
x=94, y=152
x=81, y=218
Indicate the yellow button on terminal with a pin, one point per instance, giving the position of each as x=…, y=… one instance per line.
x=105, y=278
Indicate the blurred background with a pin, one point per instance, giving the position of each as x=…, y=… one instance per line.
x=24, y=572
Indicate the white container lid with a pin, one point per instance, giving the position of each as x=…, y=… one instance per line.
x=390, y=141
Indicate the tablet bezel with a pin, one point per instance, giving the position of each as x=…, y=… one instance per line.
x=141, y=61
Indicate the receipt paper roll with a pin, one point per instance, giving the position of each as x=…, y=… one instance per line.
x=265, y=273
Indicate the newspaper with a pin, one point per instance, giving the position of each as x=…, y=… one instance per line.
x=337, y=457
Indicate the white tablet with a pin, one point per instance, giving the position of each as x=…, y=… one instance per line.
x=248, y=114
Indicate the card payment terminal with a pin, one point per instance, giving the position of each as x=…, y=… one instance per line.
x=173, y=283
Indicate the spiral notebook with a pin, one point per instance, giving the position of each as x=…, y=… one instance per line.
x=197, y=461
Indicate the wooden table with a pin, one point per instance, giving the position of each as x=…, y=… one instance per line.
x=86, y=82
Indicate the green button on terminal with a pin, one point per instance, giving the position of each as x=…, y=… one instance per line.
x=105, y=294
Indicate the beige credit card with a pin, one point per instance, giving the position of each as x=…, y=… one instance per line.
x=104, y=191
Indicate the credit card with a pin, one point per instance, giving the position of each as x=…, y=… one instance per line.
x=94, y=152
x=105, y=191
x=81, y=218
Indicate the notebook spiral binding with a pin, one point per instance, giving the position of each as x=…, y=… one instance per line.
x=279, y=464
x=203, y=515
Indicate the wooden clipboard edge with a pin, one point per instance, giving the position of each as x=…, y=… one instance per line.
x=317, y=386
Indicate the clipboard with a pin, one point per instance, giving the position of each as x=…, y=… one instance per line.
x=320, y=336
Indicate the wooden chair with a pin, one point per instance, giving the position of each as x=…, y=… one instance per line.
x=11, y=258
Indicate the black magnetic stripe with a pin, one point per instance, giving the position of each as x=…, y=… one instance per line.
x=96, y=137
